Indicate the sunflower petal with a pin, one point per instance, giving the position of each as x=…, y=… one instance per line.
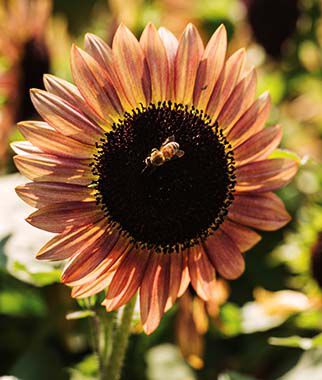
x=266, y=175
x=176, y=269
x=70, y=94
x=264, y=211
x=252, y=121
x=126, y=280
x=103, y=55
x=202, y=273
x=238, y=102
x=185, y=276
x=154, y=291
x=91, y=257
x=188, y=57
x=41, y=194
x=210, y=67
x=47, y=168
x=61, y=216
x=259, y=146
x=69, y=243
x=170, y=43
x=226, y=83
x=50, y=141
x=130, y=67
x=225, y=255
x=244, y=237
x=65, y=118
x=157, y=60
x=95, y=86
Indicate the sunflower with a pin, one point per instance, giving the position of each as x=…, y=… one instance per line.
x=125, y=221
x=25, y=58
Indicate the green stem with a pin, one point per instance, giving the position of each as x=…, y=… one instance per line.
x=120, y=342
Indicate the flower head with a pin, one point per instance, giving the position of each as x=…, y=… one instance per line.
x=126, y=221
x=26, y=56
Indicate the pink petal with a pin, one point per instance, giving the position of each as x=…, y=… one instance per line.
x=266, y=175
x=41, y=194
x=47, y=168
x=65, y=118
x=259, y=146
x=188, y=57
x=157, y=60
x=202, y=273
x=264, y=211
x=211, y=65
x=71, y=242
x=176, y=270
x=154, y=291
x=50, y=141
x=103, y=55
x=238, y=102
x=225, y=255
x=95, y=85
x=244, y=237
x=251, y=122
x=170, y=43
x=226, y=83
x=86, y=261
x=130, y=67
x=185, y=276
x=71, y=95
x=61, y=216
x=126, y=280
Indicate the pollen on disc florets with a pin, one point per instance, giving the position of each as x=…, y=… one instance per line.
x=175, y=205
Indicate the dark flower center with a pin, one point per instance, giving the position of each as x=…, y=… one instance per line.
x=178, y=203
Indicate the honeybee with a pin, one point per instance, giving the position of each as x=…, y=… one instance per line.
x=168, y=150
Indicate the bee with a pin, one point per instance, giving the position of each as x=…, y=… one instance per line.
x=168, y=150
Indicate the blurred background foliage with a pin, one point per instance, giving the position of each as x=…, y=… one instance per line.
x=266, y=325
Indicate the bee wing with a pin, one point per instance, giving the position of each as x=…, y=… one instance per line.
x=168, y=140
x=180, y=153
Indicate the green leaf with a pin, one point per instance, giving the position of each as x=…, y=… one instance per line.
x=80, y=314
x=21, y=303
x=232, y=375
x=285, y=153
x=297, y=342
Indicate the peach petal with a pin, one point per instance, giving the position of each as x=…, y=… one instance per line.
x=70, y=243
x=188, y=57
x=95, y=85
x=71, y=95
x=103, y=55
x=175, y=278
x=239, y=101
x=210, y=67
x=24, y=148
x=130, y=67
x=96, y=285
x=185, y=276
x=264, y=211
x=65, y=118
x=252, y=121
x=154, y=291
x=202, y=273
x=41, y=194
x=114, y=255
x=226, y=83
x=86, y=261
x=157, y=60
x=244, y=237
x=126, y=280
x=259, y=146
x=61, y=216
x=170, y=43
x=266, y=175
x=50, y=141
x=225, y=255
x=46, y=168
